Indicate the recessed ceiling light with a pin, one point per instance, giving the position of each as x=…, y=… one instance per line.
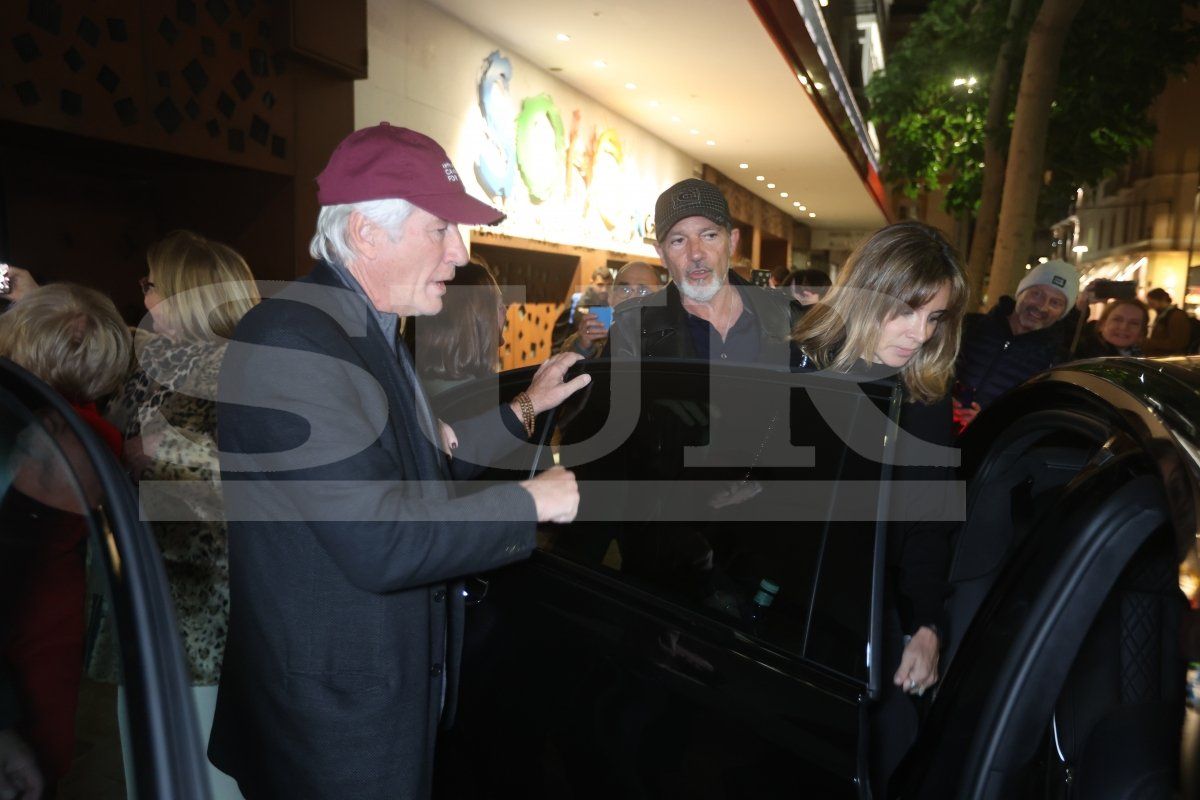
x=801, y=207
x=631, y=86
x=654, y=104
x=759, y=178
x=743, y=165
x=770, y=186
x=783, y=194
x=796, y=204
x=562, y=37
x=812, y=213
x=711, y=143
x=820, y=86
x=694, y=132
x=599, y=63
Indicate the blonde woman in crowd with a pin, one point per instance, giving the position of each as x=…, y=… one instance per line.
x=73, y=339
x=196, y=291
x=896, y=309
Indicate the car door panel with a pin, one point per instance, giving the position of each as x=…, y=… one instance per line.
x=40, y=433
x=625, y=648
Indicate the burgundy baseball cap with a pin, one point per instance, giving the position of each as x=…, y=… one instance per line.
x=386, y=162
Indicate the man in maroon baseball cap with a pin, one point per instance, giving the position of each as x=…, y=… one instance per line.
x=347, y=542
x=386, y=162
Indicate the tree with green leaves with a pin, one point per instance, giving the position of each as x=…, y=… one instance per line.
x=937, y=133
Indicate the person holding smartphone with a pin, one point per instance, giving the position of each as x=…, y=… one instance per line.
x=635, y=279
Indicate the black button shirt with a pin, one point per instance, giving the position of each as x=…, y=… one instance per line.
x=743, y=343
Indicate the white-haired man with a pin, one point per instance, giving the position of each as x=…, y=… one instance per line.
x=346, y=540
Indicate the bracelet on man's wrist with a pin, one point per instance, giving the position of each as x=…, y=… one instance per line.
x=528, y=417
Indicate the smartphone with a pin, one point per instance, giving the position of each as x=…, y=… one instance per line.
x=1115, y=290
x=602, y=313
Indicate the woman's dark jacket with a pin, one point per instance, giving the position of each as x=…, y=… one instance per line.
x=918, y=550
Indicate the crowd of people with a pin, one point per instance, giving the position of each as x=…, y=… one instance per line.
x=297, y=621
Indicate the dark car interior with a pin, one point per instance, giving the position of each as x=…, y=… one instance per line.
x=1114, y=728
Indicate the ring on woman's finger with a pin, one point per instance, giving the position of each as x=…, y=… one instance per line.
x=912, y=684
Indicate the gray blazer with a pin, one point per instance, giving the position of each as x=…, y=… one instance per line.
x=345, y=542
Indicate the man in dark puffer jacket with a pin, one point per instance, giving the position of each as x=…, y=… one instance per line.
x=1015, y=340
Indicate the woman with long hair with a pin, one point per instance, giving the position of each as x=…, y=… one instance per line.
x=196, y=292
x=463, y=341
x=896, y=309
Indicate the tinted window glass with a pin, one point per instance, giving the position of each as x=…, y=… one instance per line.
x=712, y=502
x=50, y=501
x=74, y=686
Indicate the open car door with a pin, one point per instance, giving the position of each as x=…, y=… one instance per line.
x=66, y=508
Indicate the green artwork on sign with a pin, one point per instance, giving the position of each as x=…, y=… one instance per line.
x=541, y=146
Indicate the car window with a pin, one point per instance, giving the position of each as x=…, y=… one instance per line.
x=91, y=677
x=754, y=531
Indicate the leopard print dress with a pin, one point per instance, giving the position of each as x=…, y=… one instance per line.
x=168, y=397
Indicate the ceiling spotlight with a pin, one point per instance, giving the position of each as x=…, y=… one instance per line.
x=743, y=165
x=599, y=63
x=819, y=86
x=711, y=143
x=759, y=178
x=1079, y=248
x=803, y=79
x=796, y=204
x=770, y=186
x=1043, y=260
x=783, y=194
x=631, y=86
x=812, y=213
x=801, y=207
x=562, y=37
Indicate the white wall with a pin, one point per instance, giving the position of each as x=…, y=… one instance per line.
x=424, y=71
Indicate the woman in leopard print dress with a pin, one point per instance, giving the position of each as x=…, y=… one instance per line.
x=196, y=292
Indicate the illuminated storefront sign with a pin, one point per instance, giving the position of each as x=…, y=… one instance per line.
x=578, y=185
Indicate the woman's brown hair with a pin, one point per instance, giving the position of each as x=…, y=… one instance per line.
x=901, y=266
x=463, y=341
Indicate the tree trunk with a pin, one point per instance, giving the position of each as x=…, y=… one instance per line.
x=1027, y=148
x=988, y=215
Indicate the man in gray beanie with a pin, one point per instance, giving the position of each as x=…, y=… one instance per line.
x=1014, y=341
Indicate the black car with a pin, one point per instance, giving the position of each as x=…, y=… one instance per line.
x=714, y=627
